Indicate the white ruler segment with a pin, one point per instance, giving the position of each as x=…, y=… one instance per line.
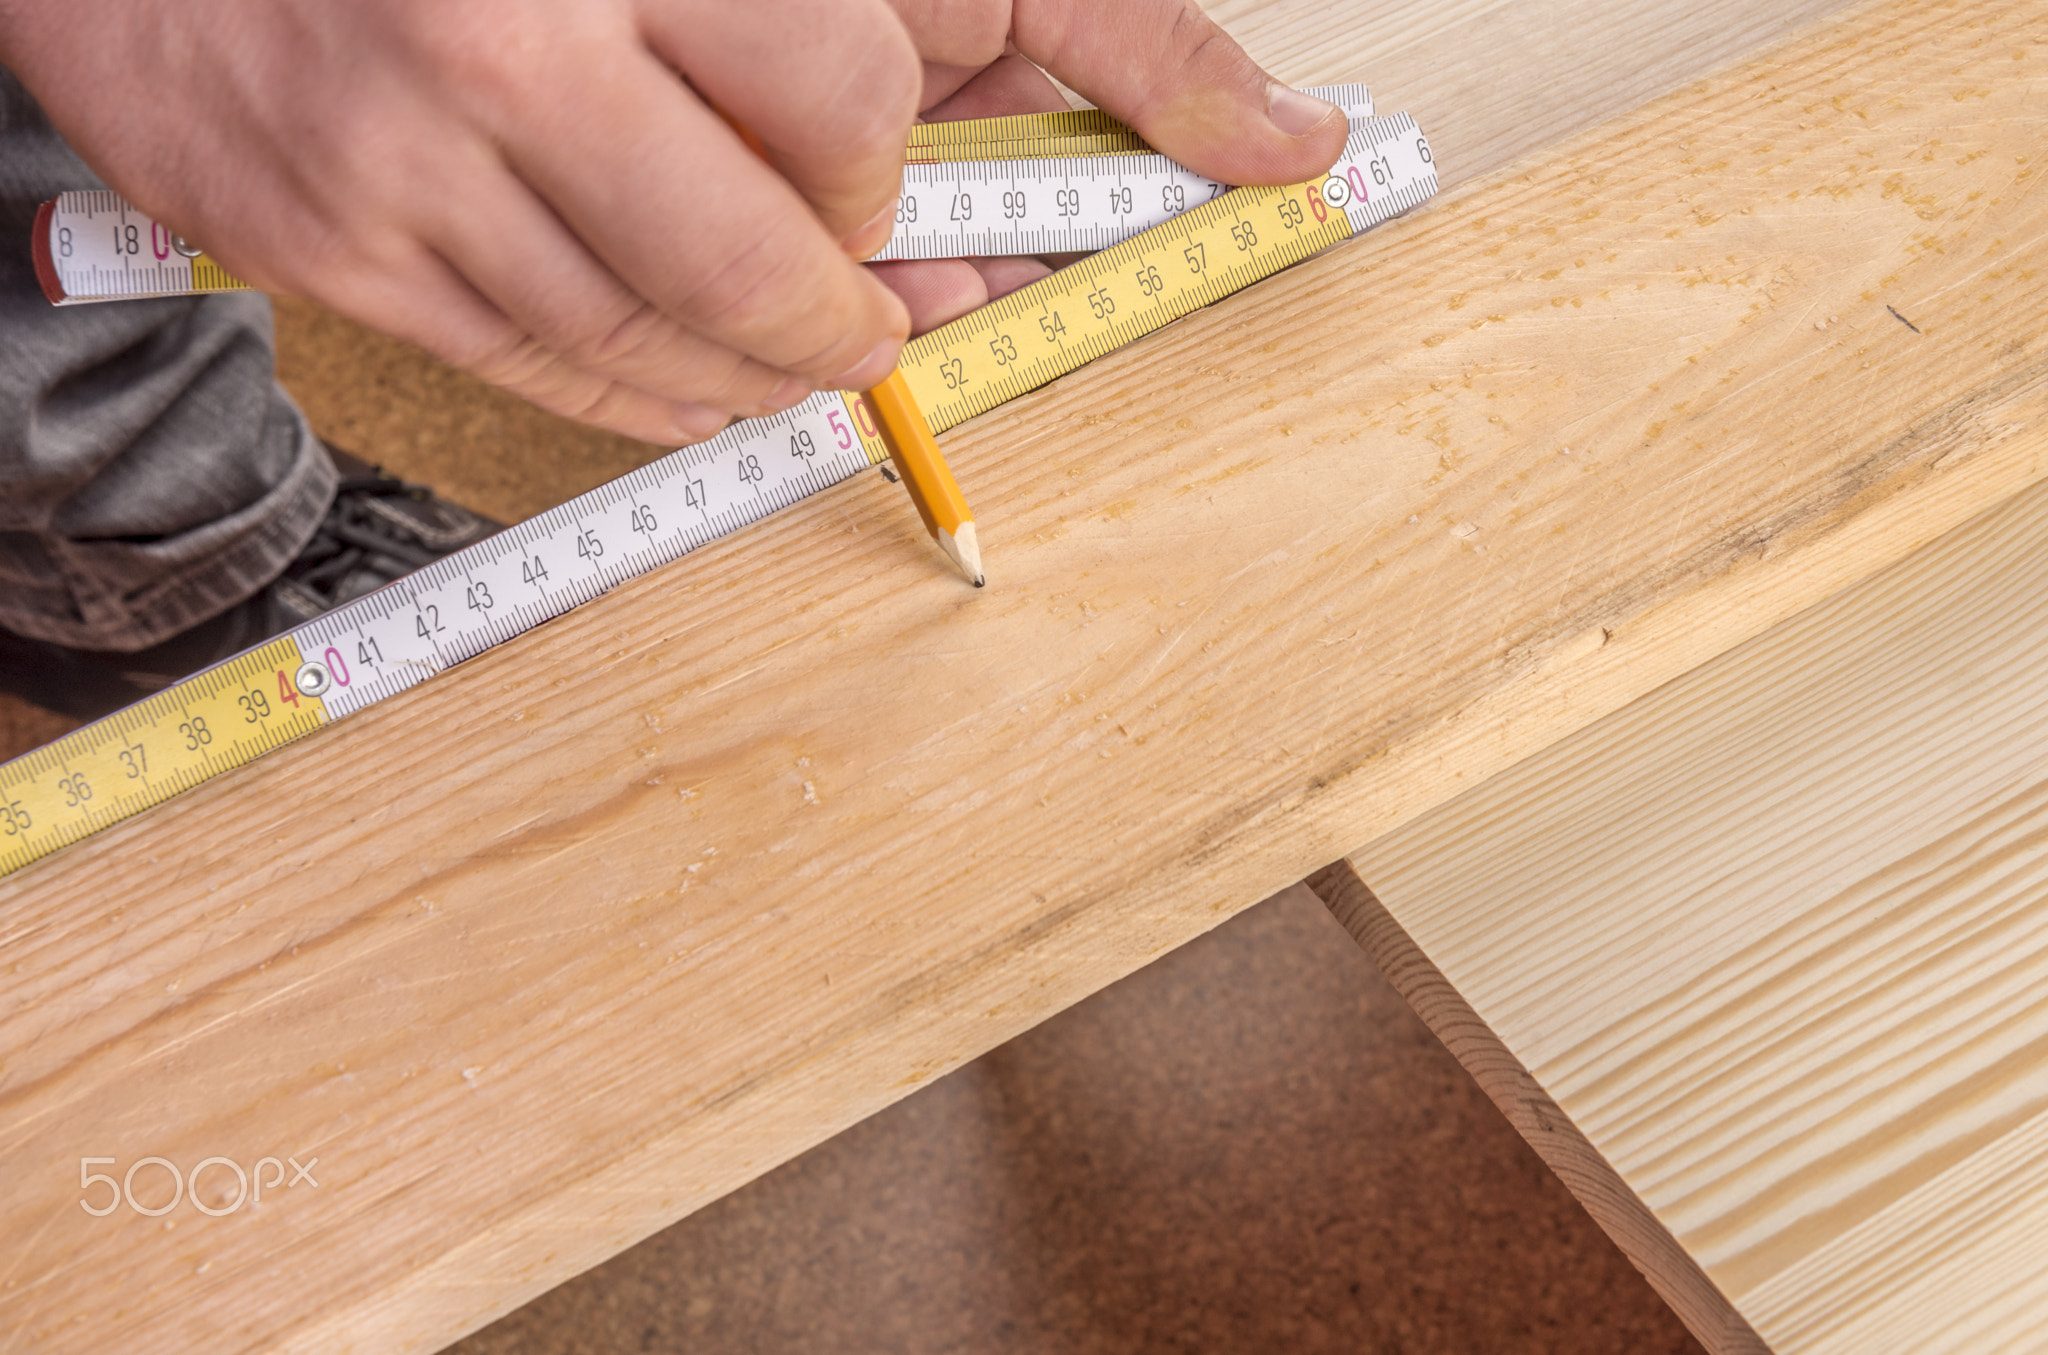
x=485, y=594
x=102, y=248
x=985, y=208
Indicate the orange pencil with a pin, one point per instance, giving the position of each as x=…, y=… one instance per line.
x=926, y=474
x=908, y=437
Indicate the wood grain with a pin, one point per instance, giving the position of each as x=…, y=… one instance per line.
x=1491, y=81
x=1774, y=941
x=550, y=951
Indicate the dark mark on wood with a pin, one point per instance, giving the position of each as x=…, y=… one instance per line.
x=1904, y=321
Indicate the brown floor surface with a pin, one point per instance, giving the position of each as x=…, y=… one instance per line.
x=1253, y=1145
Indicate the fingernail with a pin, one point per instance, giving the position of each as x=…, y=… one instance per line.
x=695, y=422
x=874, y=234
x=788, y=391
x=872, y=369
x=1293, y=112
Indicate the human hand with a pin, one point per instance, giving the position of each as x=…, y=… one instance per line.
x=1159, y=65
x=530, y=189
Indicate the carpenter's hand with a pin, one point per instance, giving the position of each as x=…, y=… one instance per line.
x=1159, y=65
x=535, y=190
x=538, y=191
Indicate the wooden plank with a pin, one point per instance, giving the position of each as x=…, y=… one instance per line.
x=558, y=947
x=1760, y=962
x=1492, y=80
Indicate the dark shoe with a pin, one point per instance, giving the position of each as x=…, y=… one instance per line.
x=378, y=528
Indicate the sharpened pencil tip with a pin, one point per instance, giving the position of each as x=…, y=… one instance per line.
x=965, y=549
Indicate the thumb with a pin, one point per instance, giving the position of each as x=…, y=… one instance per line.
x=1168, y=70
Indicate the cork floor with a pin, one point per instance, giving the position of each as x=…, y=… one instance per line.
x=1252, y=1145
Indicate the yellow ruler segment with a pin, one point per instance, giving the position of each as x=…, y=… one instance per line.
x=208, y=276
x=150, y=751
x=1125, y=142
x=1088, y=309
x=1093, y=307
x=1016, y=127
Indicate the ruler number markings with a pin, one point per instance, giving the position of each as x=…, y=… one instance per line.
x=540, y=569
x=1152, y=278
x=114, y=767
x=415, y=627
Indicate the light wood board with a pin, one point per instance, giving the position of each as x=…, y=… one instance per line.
x=1761, y=961
x=554, y=949
x=1492, y=81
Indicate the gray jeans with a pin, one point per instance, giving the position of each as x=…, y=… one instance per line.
x=152, y=472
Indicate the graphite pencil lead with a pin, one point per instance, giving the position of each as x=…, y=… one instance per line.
x=964, y=546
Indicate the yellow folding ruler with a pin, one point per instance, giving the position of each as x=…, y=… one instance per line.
x=484, y=595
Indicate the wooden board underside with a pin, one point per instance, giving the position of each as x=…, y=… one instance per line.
x=1674, y=1273
x=1774, y=941
x=558, y=947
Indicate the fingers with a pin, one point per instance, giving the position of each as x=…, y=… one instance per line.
x=1166, y=69
x=1005, y=275
x=963, y=33
x=664, y=194
x=416, y=296
x=829, y=86
x=510, y=248
x=1009, y=85
x=933, y=290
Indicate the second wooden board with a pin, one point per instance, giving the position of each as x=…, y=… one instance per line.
x=1760, y=963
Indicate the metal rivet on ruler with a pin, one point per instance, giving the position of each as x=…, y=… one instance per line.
x=1335, y=191
x=312, y=678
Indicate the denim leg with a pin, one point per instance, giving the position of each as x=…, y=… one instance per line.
x=152, y=472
